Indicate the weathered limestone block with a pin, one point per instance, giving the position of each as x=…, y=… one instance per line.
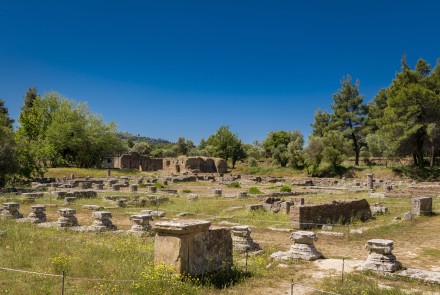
x=69, y=200
x=38, y=214
x=381, y=257
x=217, y=192
x=67, y=218
x=154, y=213
x=34, y=195
x=133, y=188
x=241, y=239
x=10, y=210
x=253, y=207
x=191, y=247
x=370, y=181
x=242, y=195
x=303, y=248
x=153, y=189
x=141, y=223
x=378, y=209
x=93, y=207
x=98, y=186
x=102, y=221
x=421, y=206
x=192, y=197
x=59, y=194
x=121, y=203
x=84, y=184
x=116, y=187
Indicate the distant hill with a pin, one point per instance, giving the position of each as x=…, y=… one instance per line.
x=137, y=138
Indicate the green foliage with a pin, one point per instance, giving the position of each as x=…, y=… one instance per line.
x=412, y=112
x=56, y=131
x=233, y=184
x=254, y=191
x=141, y=147
x=186, y=191
x=336, y=148
x=8, y=161
x=285, y=189
x=159, y=184
x=252, y=162
x=349, y=114
x=313, y=154
x=184, y=146
x=321, y=123
x=226, y=145
x=284, y=146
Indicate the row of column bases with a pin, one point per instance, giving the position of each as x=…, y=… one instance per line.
x=379, y=258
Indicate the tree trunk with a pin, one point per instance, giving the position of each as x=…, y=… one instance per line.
x=432, y=160
x=356, y=149
x=415, y=158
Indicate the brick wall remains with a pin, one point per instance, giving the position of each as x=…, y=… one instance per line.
x=303, y=216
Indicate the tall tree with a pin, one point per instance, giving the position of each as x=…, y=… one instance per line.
x=5, y=121
x=409, y=122
x=8, y=164
x=349, y=114
x=226, y=145
x=321, y=123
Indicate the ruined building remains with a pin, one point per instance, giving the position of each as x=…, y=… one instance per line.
x=173, y=165
x=308, y=216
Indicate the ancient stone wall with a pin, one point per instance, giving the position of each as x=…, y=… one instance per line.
x=304, y=216
x=194, y=165
x=173, y=165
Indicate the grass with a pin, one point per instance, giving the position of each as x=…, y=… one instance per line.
x=285, y=189
x=81, y=173
x=233, y=184
x=124, y=257
x=362, y=285
x=254, y=191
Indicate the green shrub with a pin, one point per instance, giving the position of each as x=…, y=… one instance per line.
x=252, y=162
x=254, y=190
x=159, y=185
x=186, y=191
x=234, y=185
x=285, y=189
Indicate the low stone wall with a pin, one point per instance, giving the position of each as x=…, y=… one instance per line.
x=306, y=216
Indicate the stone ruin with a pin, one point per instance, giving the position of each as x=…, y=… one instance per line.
x=381, y=257
x=38, y=214
x=67, y=218
x=308, y=216
x=141, y=224
x=102, y=221
x=303, y=248
x=272, y=204
x=241, y=239
x=134, y=160
x=217, y=192
x=421, y=206
x=10, y=210
x=194, y=165
x=192, y=247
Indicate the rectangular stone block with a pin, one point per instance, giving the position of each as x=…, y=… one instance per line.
x=421, y=206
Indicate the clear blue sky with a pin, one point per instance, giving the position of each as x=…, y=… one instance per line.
x=183, y=68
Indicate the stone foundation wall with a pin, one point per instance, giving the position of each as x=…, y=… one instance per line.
x=194, y=165
x=336, y=211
